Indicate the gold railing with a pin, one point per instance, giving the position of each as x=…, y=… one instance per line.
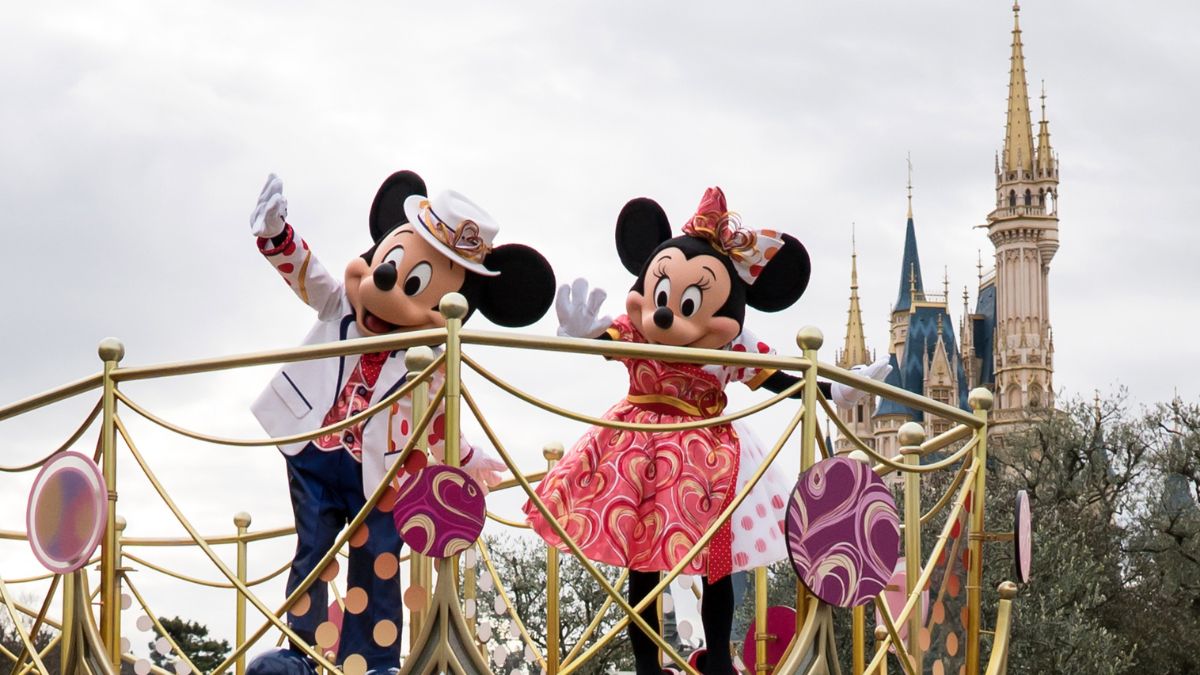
x=440, y=636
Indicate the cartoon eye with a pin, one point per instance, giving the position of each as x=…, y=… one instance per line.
x=394, y=256
x=417, y=279
x=662, y=292
x=690, y=303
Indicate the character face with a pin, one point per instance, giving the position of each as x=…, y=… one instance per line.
x=678, y=300
x=399, y=290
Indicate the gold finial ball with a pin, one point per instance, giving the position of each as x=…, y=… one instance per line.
x=417, y=359
x=552, y=451
x=859, y=456
x=911, y=434
x=453, y=306
x=241, y=519
x=121, y=523
x=880, y=632
x=1008, y=590
x=810, y=337
x=980, y=399
x=111, y=349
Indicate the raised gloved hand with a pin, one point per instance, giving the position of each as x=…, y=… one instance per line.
x=271, y=210
x=847, y=396
x=484, y=468
x=577, y=316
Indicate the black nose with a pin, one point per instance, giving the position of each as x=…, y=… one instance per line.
x=385, y=276
x=664, y=317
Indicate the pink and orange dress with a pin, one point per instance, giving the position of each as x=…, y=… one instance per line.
x=641, y=500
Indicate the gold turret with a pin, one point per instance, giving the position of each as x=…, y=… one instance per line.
x=855, y=350
x=1018, y=137
x=1045, y=156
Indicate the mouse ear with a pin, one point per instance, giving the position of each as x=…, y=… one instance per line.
x=783, y=280
x=641, y=227
x=522, y=292
x=387, y=211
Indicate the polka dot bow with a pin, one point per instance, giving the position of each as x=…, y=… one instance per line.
x=749, y=250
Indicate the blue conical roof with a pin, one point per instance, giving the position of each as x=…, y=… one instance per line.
x=909, y=269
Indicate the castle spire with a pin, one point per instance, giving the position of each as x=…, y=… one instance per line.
x=911, y=286
x=1045, y=155
x=855, y=350
x=1018, y=137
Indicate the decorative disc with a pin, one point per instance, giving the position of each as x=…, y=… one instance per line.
x=781, y=627
x=895, y=596
x=68, y=508
x=1023, y=536
x=843, y=532
x=440, y=511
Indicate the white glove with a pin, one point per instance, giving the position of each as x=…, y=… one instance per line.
x=576, y=316
x=484, y=469
x=271, y=210
x=847, y=396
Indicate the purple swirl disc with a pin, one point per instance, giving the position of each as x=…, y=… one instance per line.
x=439, y=512
x=67, y=511
x=843, y=532
x=1023, y=536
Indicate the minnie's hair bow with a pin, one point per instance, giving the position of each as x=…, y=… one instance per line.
x=749, y=250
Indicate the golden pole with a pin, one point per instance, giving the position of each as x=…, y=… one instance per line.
x=760, y=620
x=809, y=339
x=111, y=351
x=552, y=452
x=241, y=520
x=454, y=308
x=881, y=634
x=67, y=643
x=416, y=360
x=911, y=435
x=980, y=401
x=858, y=614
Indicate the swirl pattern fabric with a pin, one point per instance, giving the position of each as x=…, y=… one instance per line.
x=641, y=500
x=440, y=511
x=843, y=532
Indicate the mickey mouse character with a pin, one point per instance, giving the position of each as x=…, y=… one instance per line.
x=422, y=249
x=641, y=500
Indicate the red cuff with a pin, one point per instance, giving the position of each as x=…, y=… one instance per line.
x=286, y=246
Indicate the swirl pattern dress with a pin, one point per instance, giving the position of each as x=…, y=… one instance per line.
x=641, y=500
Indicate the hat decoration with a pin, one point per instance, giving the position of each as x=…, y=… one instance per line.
x=749, y=250
x=456, y=226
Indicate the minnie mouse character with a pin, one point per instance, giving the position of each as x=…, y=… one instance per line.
x=641, y=500
x=422, y=249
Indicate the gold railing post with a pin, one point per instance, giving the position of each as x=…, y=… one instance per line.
x=66, y=644
x=881, y=634
x=241, y=520
x=809, y=339
x=454, y=308
x=858, y=615
x=552, y=452
x=111, y=351
x=760, y=620
x=980, y=401
x=911, y=436
x=420, y=568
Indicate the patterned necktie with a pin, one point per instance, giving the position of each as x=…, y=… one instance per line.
x=355, y=398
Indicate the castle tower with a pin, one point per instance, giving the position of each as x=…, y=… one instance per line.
x=912, y=289
x=857, y=418
x=1024, y=229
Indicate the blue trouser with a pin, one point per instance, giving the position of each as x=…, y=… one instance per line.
x=327, y=492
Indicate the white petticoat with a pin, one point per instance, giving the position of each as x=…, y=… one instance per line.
x=758, y=534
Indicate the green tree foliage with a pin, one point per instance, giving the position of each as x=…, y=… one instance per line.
x=193, y=639
x=521, y=564
x=11, y=640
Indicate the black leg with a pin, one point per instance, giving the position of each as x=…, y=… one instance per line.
x=645, y=652
x=716, y=611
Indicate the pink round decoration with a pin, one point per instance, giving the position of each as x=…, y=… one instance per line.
x=843, y=532
x=1023, y=536
x=67, y=511
x=781, y=626
x=895, y=596
x=440, y=511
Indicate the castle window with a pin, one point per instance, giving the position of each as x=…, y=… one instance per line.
x=1042, y=197
x=1028, y=197
x=1012, y=198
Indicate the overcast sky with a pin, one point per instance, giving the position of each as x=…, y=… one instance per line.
x=136, y=136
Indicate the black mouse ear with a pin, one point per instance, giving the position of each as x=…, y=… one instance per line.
x=783, y=279
x=641, y=227
x=523, y=291
x=387, y=211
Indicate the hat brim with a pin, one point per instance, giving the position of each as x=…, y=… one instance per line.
x=412, y=210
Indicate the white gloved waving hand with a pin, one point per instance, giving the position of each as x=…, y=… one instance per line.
x=271, y=210
x=878, y=371
x=577, y=310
